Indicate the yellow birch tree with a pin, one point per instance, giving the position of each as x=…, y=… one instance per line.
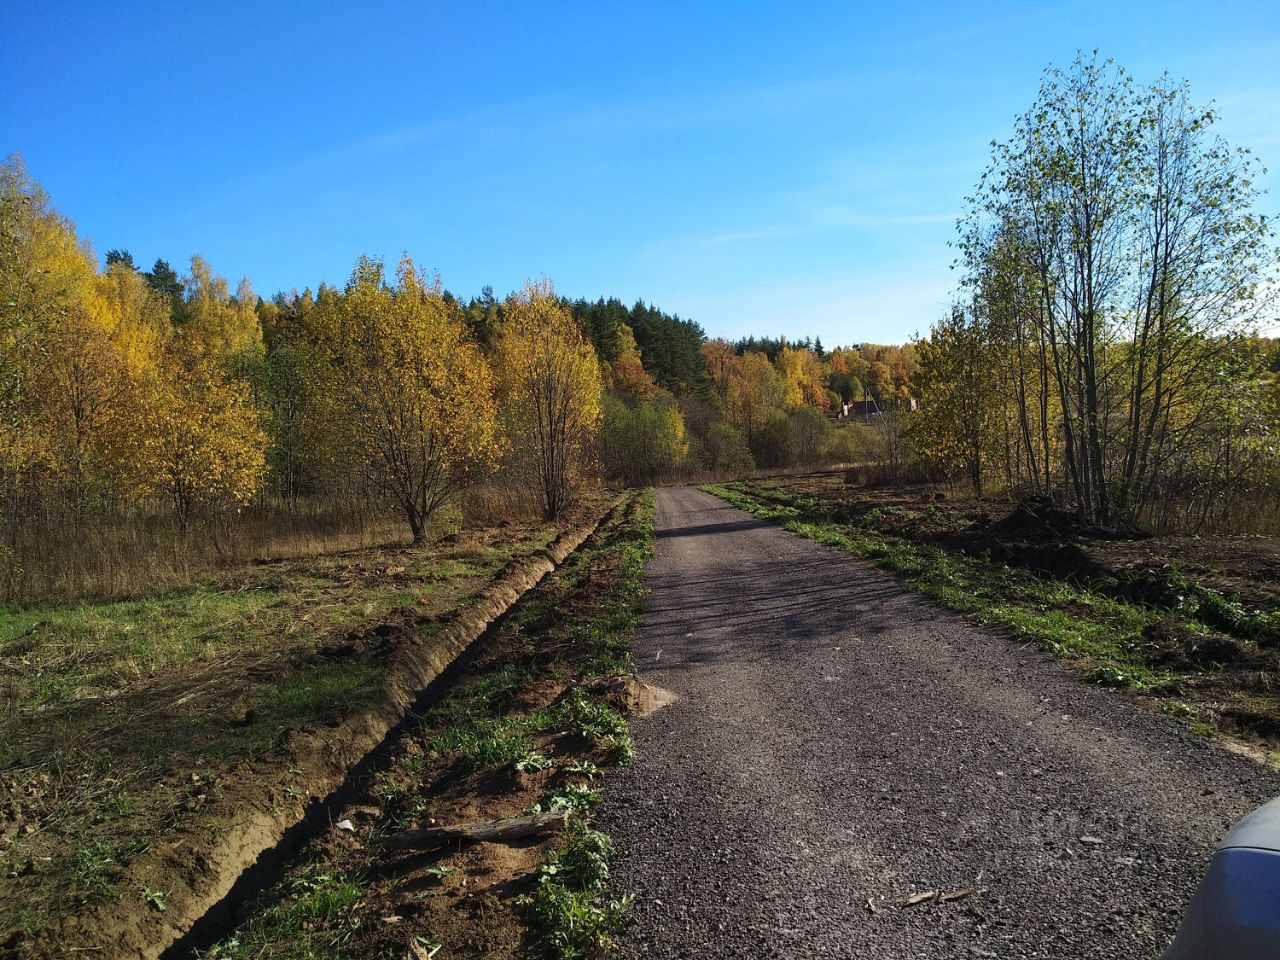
x=409, y=392
x=551, y=392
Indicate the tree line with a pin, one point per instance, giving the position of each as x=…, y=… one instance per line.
x=131, y=395
x=1103, y=348
x=1101, y=352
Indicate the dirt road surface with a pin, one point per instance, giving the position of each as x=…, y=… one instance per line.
x=838, y=739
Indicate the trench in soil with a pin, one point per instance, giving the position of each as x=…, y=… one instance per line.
x=222, y=917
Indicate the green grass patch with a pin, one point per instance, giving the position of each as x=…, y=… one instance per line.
x=92, y=865
x=1068, y=620
x=487, y=741
x=571, y=910
x=475, y=722
x=309, y=696
x=79, y=649
x=314, y=916
x=113, y=704
x=574, y=797
x=1172, y=591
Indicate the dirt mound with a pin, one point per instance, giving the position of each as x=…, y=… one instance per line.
x=1251, y=721
x=635, y=698
x=1039, y=518
x=1034, y=518
x=1172, y=645
x=536, y=695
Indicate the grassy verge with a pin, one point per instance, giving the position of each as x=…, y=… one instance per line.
x=1180, y=644
x=534, y=725
x=121, y=719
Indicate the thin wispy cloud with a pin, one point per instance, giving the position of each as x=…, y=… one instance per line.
x=831, y=221
x=730, y=237
x=1250, y=118
x=750, y=103
x=526, y=118
x=406, y=137
x=858, y=219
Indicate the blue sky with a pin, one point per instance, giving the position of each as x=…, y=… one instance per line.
x=762, y=168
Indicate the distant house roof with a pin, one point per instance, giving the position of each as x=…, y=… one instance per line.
x=864, y=409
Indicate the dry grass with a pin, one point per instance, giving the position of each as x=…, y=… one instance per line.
x=134, y=554
x=1257, y=513
x=493, y=504
x=878, y=473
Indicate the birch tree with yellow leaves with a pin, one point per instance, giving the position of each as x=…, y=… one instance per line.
x=551, y=392
x=958, y=367
x=410, y=397
x=1116, y=238
x=194, y=437
x=46, y=280
x=804, y=381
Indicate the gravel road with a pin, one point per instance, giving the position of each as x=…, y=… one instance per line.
x=839, y=739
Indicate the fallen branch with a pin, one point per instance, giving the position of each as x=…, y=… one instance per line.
x=491, y=831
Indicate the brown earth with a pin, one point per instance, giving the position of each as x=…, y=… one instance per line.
x=108, y=765
x=466, y=897
x=237, y=819
x=1242, y=565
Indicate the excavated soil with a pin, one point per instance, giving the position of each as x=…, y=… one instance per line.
x=467, y=897
x=251, y=816
x=1040, y=535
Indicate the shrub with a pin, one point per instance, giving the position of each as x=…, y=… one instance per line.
x=726, y=450
x=809, y=431
x=773, y=444
x=640, y=444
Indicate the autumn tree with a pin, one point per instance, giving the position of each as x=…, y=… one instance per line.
x=879, y=381
x=75, y=394
x=1135, y=225
x=1004, y=284
x=227, y=325
x=753, y=396
x=846, y=368
x=804, y=380
x=195, y=438
x=281, y=383
x=407, y=393
x=720, y=359
x=956, y=417
x=551, y=390
x=626, y=375
x=641, y=443
x=45, y=281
